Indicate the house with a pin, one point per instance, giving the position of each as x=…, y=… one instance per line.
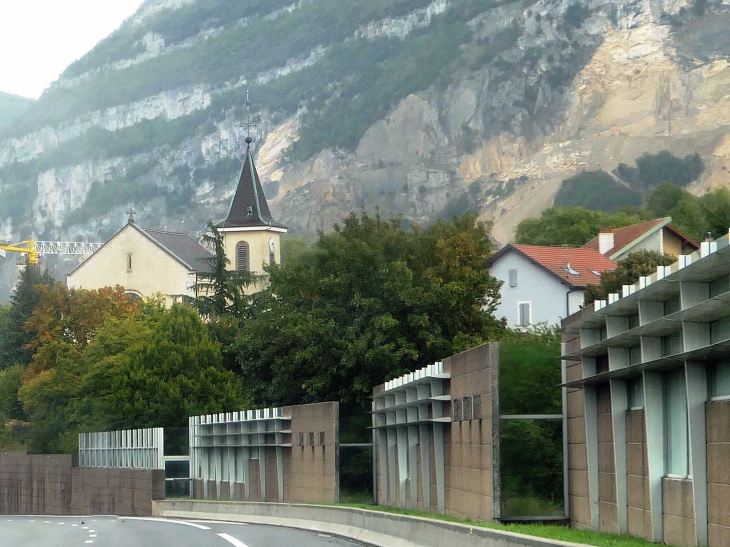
x=145, y=262
x=654, y=235
x=544, y=284
x=647, y=384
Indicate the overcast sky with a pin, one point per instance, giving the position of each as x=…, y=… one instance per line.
x=40, y=38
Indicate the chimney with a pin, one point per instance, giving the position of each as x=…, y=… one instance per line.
x=605, y=242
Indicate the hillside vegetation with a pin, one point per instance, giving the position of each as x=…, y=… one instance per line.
x=11, y=107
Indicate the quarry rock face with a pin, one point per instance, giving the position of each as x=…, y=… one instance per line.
x=537, y=92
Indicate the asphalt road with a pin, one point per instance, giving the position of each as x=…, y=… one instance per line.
x=133, y=532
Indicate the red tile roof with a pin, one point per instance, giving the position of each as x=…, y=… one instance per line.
x=624, y=236
x=584, y=262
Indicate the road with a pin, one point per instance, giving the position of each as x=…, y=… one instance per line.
x=142, y=532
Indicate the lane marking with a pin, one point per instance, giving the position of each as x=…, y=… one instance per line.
x=89, y=541
x=84, y=527
x=92, y=535
x=232, y=540
x=221, y=522
x=46, y=522
x=92, y=531
x=61, y=523
x=31, y=521
x=152, y=519
x=74, y=525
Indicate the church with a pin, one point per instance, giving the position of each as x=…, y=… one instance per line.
x=147, y=261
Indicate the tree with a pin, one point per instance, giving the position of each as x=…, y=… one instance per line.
x=221, y=291
x=66, y=321
x=171, y=371
x=366, y=303
x=635, y=265
x=568, y=226
x=14, y=338
x=598, y=191
x=716, y=206
x=664, y=166
x=153, y=367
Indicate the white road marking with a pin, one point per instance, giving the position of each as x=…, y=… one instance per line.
x=46, y=522
x=221, y=522
x=92, y=531
x=232, y=540
x=92, y=535
x=11, y=520
x=170, y=521
x=61, y=523
x=31, y=521
x=84, y=527
x=74, y=525
x=89, y=541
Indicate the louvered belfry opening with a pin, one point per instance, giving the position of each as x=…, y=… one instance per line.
x=242, y=256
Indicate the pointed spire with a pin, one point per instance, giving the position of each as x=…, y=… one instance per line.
x=249, y=207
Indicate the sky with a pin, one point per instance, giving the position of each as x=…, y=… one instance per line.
x=40, y=38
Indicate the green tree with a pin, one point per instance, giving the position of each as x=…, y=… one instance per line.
x=220, y=291
x=14, y=338
x=367, y=302
x=716, y=206
x=569, y=226
x=598, y=191
x=635, y=265
x=10, y=381
x=171, y=372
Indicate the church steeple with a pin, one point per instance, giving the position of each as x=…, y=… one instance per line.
x=249, y=207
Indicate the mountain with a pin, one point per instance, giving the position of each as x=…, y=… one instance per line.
x=423, y=108
x=12, y=106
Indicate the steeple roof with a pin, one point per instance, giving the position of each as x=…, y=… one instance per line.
x=249, y=208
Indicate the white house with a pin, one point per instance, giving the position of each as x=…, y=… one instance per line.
x=544, y=284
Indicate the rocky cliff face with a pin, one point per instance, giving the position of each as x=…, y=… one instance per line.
x=420, y=107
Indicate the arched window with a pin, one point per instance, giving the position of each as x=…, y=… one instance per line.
x=272, y=258
x=242, y=256
x=134, y=295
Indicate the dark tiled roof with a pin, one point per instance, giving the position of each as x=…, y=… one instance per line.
x=184, y=248
x=249, y=197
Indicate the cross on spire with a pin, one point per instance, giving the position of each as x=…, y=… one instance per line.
x=249, y=125
x=131, y=212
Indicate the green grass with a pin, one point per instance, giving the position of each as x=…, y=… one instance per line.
x=561, y=533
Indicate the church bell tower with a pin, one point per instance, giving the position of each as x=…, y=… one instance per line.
x=251, y=236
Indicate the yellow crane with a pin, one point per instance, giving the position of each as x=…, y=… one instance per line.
x=25, y=248
x=30, y=250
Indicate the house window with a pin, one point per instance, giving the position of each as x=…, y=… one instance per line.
x=242, y=256
x=512, y=278
x=720, y=381
x=675, y=423
x=129, y=262
x=524, y=314
x=636, y=393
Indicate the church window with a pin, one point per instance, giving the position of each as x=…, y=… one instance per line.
x=272, y=258
x=242, y=256
x=129, y=262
